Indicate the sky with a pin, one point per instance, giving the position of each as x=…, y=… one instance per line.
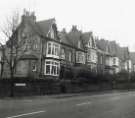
x=108, y=19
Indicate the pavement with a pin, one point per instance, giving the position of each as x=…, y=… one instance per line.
x=113, y=104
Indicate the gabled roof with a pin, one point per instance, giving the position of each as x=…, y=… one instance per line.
x=102, y=44
x=74, y=36
x=86, y=37
x=113, y=49
x=41, y=27
x=45, y=25
x=123, y=53
x=64, y=38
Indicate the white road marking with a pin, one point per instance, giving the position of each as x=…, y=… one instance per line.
x=115, y=98
x=84, y=103
x=26, y=114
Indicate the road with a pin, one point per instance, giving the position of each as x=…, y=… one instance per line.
x=107, y=105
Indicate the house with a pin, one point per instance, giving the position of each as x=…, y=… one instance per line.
x=132, y=57
x=73, y=54
x=124, y=57
x=105, y=56
x=44, y=51
x=47, y=53
x=75, y=37
x=39, y=51
x=101, y=61
x=91, y=50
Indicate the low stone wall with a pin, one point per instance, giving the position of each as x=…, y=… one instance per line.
x=29, y=87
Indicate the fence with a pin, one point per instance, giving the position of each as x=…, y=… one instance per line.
x=29, y=87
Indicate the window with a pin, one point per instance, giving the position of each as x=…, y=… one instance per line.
x=53, y=49
x=34, y=67
x=52, y=67
x=114, y=61
x=79, y=44
x=88, y=57
x=134, y=67
x=101, y=59
x=62, y=53
x=89, y=44
x=70, y=56
x=49, y=48
x=80, y=57
x=52, y=34
x=56, y=49
x=35, y=46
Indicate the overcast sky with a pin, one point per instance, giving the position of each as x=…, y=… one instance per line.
x=109, y=19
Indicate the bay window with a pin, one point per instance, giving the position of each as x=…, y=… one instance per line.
x=53, y=49
x=52, y=67
x=80, y=58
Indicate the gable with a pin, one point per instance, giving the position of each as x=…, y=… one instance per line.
x=52, y=33
x=89, y=40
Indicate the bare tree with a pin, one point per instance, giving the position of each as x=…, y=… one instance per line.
x=10, y=49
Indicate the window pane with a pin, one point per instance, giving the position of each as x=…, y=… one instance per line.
x=53, y=49
x=70, y=56
x=56, y=63
x=47, y=69
x=53, y=70
x=49, y=48
x=62, y=54
x=48, y=62
x=57, y=70
x=56, y=49
x=52, y=67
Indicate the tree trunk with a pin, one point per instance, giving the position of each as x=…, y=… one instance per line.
x=12, y=83
x=2, y=70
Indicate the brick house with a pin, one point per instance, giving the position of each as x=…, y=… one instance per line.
x=105, y=58
x=91, y=50
x=83, y=48
x=72, y=50
x=46, y=53
x=43, y=50
x=124, y=55
x=39, y=52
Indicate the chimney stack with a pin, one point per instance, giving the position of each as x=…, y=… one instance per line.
x=28, y=16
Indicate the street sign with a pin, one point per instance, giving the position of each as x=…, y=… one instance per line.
x=20, y=84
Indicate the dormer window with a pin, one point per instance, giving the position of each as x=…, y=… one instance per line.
x=52, y=34
x=35, y=45
x=89, y=44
